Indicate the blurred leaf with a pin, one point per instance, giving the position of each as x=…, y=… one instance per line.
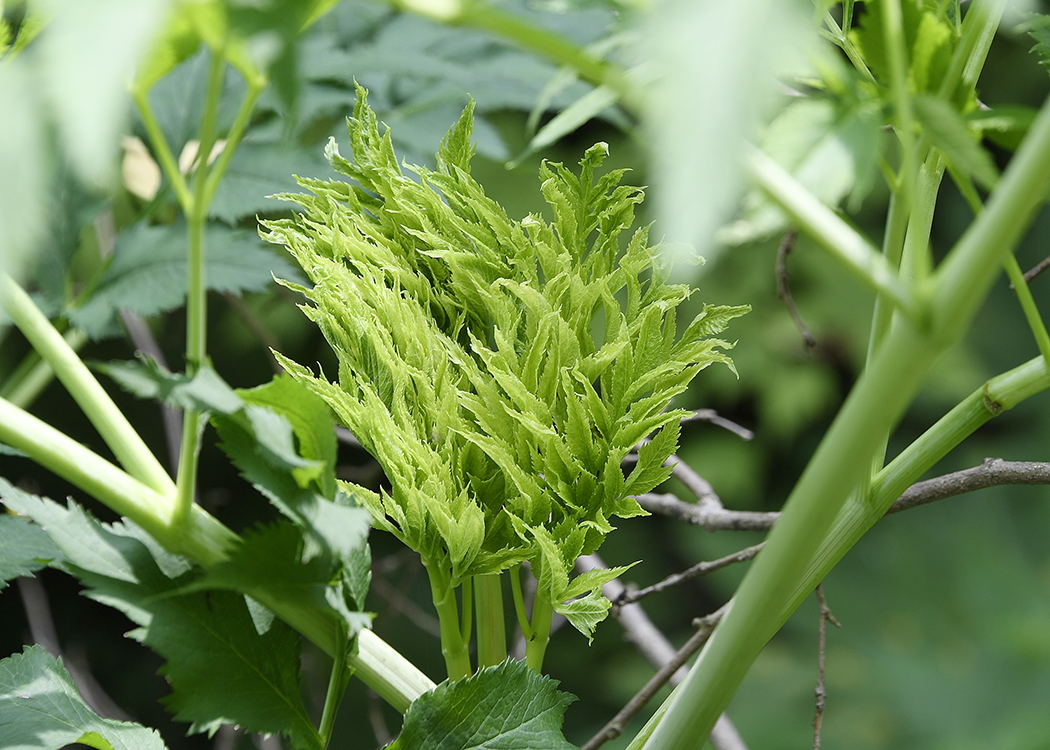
x=947, y=131
x=223, y=665
x=177, y=100
x=23, y=185
x=24, y=548
x=1005, y=126
x=831, y=149
x=148, y=273
x=256, y=172
x=88, y=53
x=40, y=709
x=507, y=706
x=581, y=111
x=1038, y=27
x=205, y=391
x=717, y=65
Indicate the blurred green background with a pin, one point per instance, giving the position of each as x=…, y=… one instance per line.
x=945, y=609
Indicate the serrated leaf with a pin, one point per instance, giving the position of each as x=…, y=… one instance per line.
x=24, y=547
x=311, y=419
x=205, y=391
x=585, y=613
x=148, y=274
x=501, y=707
x=40, y=709
x=269, y=561
x=256, y=172
x=259, y=442
x=220, y=667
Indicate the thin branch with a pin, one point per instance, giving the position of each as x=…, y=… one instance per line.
x=614, y=728
x=994, y=472
x=654, y=646
x=42, y=630
x=712, y=416
x=696, y=484
x=784, y=291
x=1033, y=272
x=703, y=514
x=821, y=692
x=700, y=569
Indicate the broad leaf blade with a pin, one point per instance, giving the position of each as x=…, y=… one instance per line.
x=502, y=707
x=226, y=662
x=40, y=709
x=24, y=548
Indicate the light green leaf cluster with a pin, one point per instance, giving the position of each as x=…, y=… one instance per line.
x=499, y=371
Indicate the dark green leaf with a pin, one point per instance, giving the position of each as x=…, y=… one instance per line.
x=24, y=547
x=256, y=172
x=507, y=706
x=40, y=709
x=205, y=391
x=148, y=274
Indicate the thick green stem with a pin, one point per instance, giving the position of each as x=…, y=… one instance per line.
x=519, y=602
x=842, y=241
x=453, y=647
x=542, y=616
x=31, y=377
x=781, y=570
x=205, y=539
x=110, y=422
x=492, y=632
x=897, y=56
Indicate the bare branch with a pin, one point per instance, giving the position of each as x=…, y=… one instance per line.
x=654, y=646
x=712, y=518
x=710, y=415
x=700, y=569
x=614, y=728
x=994, y=472
x=821, y=692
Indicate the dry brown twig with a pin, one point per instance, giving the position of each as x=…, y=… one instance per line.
x=821, y=692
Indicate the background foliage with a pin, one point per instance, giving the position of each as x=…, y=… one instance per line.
x=945, y=610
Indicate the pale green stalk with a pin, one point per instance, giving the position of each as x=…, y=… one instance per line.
x=110, y=422
x=196, y=298
x=897, y=54
x=35, y=374
x=978, y=31
x=162, y=151
x=205, y=541
x=453, y=647
x=542, y=617
x=337, y=682
x=492, y=631
x=838, y=238
x=766, y=594
x=998, y=394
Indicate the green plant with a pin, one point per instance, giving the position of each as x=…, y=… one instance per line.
x=501, y=373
